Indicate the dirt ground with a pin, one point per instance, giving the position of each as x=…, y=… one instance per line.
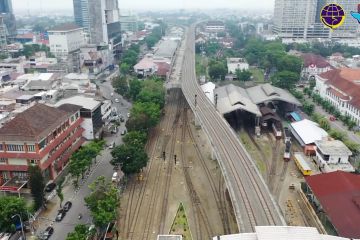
x=280, y=175
x=149, y=205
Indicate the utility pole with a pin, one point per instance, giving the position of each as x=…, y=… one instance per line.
x=216, y=100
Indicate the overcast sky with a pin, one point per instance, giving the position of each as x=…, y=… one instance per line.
x=21, y=5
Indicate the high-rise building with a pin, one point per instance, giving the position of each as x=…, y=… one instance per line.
x=3, y=34
x=301, y=19
x=128, y=23
x=6, y=12
x=100, y=18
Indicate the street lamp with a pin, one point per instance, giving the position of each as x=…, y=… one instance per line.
x=22, y=226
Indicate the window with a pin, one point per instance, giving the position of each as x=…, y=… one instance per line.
x=1, y=147
x=15, y=148
x=3, y=160
x=33, y=161
x=31, y=148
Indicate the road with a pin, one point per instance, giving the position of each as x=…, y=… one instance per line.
x=251, y=198
x=102, y=168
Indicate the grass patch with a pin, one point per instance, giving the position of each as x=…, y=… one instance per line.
x=180, y=225
x=258, y=75
x=249, y=146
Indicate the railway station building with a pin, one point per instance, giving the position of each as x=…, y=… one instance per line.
x=264, y=103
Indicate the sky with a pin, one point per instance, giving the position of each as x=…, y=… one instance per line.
x=21, y=5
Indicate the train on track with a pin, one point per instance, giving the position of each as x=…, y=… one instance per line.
x=287, y=141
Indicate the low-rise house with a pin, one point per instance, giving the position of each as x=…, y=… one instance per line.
x=234, y=64
x=146, y=67
x=95, y=58
x=332, y=156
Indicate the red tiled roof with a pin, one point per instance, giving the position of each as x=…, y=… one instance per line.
x=33, y=124
x=344, y=82
x=311, y=59
x=338, y=94
x=338, y=193
x=163, y=68
x=25, y=36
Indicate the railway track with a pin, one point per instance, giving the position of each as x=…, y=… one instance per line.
x=251, y=198
x=215, y=192
x=200, y=216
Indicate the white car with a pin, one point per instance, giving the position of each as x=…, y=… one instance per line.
x=117, y=100
x=112, y=94
x=128, y=115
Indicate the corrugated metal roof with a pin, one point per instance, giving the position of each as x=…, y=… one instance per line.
x=336, y=192
x=309, y=131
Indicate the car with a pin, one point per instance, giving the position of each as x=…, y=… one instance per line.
x=67, y=206
x=112, y=145
x=332, y=118
x=47, y=233
x=123, y=132
x=117, y=100
x=128, y=115
x=112, y=94
x=61, y=214
x=50, y=187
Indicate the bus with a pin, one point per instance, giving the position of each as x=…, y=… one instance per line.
x=301, y=163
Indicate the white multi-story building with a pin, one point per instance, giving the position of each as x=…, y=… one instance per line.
x=128, y=23
x=236, y=63
x=341, y=87
x=314, y=65
x=65, y=39
x=301, y=19
x=215, y=26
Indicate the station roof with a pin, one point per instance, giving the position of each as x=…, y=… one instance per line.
x=339, y=195
x=280, y=233
x=308, y=131
x=231, y=97
x=166, y=49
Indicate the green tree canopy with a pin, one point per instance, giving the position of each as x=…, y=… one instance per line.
x=285, y=79
x=217, y=70
x=135, y=88
x=144, y=115
x=152, y=91
x=135, y=138
x=243, y=75
x=37, y=185
x=102, y=201
x=81, y=232
x=11, y=205
x=130, y=158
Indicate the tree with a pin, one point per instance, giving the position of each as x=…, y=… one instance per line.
x=37, y=185
x=59, y=192
x=353, y=146
x=217, y=70
x=102, y=202
x=120, y=85
x=135, y=138
x=312, y=83
x=152, y=91
x=289, y=63
x=143, y=116
x=81, y=232
x=243, y=75
x=151, y=41
x=124, y=68
x=308, y=108
x=9, y=206
x=324, y=123
x=338, y=135
x=135, y=88
x=130, y=158
x=285, y=79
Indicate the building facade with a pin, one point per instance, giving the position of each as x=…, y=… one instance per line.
x=6, y=12
x=215, y=26
x=128, y=23
x=100, y=19
x=41, y=135
x=301, y=19
x=66, y=39
x=234, y=64
x=3, y=34
x=341, y=87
